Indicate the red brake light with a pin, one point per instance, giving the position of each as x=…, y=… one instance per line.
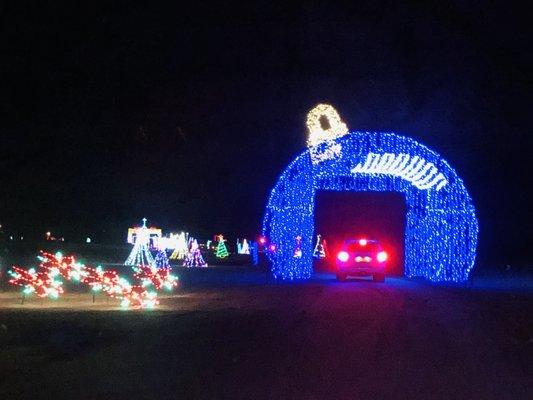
x=382, y=256
x=343, y=256
x=363, y=242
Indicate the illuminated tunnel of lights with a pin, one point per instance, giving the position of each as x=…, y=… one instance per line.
x=441, y=226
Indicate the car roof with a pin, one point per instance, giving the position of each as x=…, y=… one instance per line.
x=348, y=241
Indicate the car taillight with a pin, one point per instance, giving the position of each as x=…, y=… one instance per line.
x=358, y=258
x=343, y=256
x=363, y=242
x=382, y=256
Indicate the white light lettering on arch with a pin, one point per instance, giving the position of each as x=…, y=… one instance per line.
x=422, y=174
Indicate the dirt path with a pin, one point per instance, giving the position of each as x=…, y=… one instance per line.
x=303, y=341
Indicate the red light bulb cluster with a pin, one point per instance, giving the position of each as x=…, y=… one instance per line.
x=45, y=281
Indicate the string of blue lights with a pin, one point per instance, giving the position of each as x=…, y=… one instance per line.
x=441, y=231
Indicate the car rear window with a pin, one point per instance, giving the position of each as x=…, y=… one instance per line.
x=368, y=248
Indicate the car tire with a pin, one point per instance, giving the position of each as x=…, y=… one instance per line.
x=379, y=277
x=341, y=277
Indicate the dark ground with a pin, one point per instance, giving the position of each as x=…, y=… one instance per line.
x=229, y=335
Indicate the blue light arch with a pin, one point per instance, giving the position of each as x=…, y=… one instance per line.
x=441, y=226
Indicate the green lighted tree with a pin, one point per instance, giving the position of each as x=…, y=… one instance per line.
x=222, y=251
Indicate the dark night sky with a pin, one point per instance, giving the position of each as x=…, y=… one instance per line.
x=187, y=115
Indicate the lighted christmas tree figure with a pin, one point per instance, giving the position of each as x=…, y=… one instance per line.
x=222, y=251
x=140, y=254
x=319, y=251
x=161, y=259
x=243, y=248
x=298, y=249
x=181, y=249
x=194, y=256
x=325, y=247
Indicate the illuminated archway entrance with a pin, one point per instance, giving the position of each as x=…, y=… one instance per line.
x=441, y=226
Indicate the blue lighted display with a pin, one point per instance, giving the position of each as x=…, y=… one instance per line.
x=441, y=230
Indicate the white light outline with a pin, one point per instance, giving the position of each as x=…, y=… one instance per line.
x=319, y=135
x=416, y=170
